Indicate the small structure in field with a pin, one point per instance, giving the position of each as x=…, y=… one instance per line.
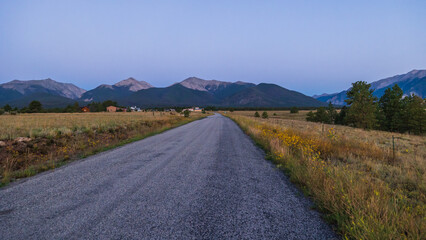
x=193, y=109
x=85, y=109
x=135, y=109
x=116, y=109
x=197, y=109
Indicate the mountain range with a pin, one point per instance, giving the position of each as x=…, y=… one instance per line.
x=413, y=82
x=192, y=91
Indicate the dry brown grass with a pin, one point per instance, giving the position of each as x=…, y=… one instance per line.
x=351, y=173
x=48, y=124
x=60, y=137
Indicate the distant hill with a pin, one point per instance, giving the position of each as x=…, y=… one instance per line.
x=46, y=99
x=175, y=95
x=270, y=95
x=49, y=92
x=413, y=82
x=117, y=91
x=195, y=91
x=67, y=90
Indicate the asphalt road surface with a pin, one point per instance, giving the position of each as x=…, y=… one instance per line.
x=203, y=180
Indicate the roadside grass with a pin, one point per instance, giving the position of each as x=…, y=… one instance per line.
x=80, y=135
x=352, y=177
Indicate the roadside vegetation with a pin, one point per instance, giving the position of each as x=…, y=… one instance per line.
x=354, y=176
x=392, y=112
x=31, y=143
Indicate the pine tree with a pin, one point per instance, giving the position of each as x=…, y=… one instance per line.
x=321, y=115
x=256, y=114
x=264, y=115
x=390, y=109
x=362, y=106
x=340, y=118
x=7, y=108
x=310, y=116
x=414, y=114
x=35, y=106
x=331, y=113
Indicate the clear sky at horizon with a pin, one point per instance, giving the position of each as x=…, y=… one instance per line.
x=308, y=46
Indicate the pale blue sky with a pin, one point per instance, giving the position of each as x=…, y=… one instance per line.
x=307, y=46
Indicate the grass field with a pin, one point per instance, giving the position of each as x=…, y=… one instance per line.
x=37, y=142
x=351, y=174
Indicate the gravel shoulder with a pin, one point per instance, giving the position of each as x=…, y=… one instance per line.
x=203, y=180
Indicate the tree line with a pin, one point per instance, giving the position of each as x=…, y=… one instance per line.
x=392, y=112
x=37, y=107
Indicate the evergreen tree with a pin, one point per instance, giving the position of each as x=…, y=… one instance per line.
x=390, y=109
x=256, y=114
x=310, y=116
x=331, y=113
x=414, y=114
x=264, y=115
x=35, y=106
x=341, y=116
x=321, y=115
x=76, y=107
x=362, y=106
x=7, y=108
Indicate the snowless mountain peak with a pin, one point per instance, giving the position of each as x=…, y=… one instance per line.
x=68, y=90
x=204, y=85
x=133, y=84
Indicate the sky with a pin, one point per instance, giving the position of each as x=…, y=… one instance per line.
x=309, y=46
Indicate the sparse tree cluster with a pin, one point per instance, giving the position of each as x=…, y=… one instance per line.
x=392, y=112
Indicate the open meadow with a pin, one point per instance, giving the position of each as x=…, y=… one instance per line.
x=31, y=143
x=369, y=189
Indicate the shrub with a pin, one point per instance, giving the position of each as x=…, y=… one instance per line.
x=186, y=113
x=264, y=115
x=294, y=110
x=256, y=114
x=1, y=111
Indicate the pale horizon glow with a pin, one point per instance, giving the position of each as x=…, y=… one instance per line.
x=310, y=47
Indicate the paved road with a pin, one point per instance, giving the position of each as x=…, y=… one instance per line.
x=204, y=180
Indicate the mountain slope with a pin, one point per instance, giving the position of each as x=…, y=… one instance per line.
x=117, y=91
x=199, y=92
x=270, y=95
x=7, y=95
x=175, y=95
x=133, y=84
x=413, y=82
x=219, y=89
x=50, y=86
x=46, y=99
x=190, y=92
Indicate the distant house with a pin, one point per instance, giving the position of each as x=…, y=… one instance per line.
x=85, y=109
x=116, y=109
x=197, y=109
x=193, y=109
